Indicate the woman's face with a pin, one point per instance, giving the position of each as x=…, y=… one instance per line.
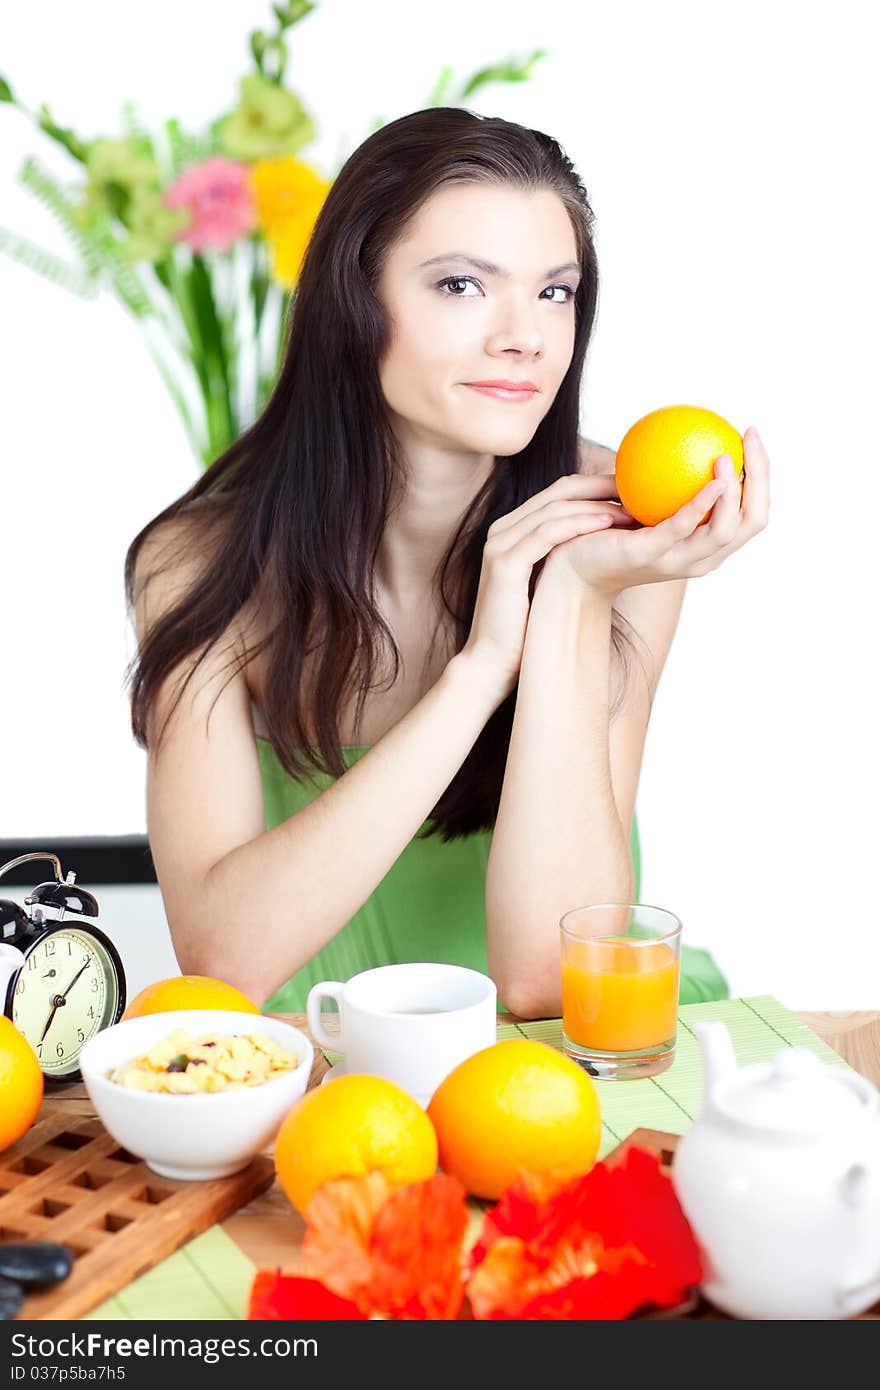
x=454, y=323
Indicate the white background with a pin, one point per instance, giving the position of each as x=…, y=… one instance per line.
x=729, y=152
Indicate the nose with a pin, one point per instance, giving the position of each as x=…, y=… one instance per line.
x=517, y=327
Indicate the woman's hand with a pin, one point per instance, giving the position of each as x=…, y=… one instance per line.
x=680, y=547
x=574, y=506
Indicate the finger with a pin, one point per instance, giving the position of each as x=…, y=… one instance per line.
x=756, y=494
x=541, y=540
x=726, y=517
x=560, y=508
x=622, y=517
x=570, y=485
x=682, y=524
x=742, y=510
x=608, y=492
x=609, y=484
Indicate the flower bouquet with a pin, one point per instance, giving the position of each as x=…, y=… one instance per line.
x=610, y=1244
x=201, y=235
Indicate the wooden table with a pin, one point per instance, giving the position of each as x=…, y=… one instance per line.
x=269, y=1230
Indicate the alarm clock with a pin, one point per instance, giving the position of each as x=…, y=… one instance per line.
x=61, y=979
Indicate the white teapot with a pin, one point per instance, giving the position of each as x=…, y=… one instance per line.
x=779, y=1177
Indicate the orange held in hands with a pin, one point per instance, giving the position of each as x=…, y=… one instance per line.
x=348, y=1128
x=21, y=1084
x=667, y=456
x=518, y=1104
x=189, y=992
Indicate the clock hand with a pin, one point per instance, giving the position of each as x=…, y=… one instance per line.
x=51, y=1016
x=76, y=977
x=61, y=998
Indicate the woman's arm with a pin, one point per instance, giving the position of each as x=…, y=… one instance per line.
x=258, y=912
x=558, y=841
x=250, y=905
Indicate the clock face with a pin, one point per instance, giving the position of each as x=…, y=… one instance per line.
x=66, y=991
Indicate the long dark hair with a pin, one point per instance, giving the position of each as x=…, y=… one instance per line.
x=300, y=500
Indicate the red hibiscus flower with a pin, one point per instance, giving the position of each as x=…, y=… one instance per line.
x=600, y=1246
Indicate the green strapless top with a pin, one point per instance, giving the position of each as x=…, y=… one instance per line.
x=429, y=906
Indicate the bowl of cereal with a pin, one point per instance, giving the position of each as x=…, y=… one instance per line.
x=196, y=1093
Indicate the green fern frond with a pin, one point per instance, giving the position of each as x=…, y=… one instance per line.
x=135, y=130
x=184, y=149
x=46, y=188
x=50, y=267
x=98, y=246
x=122, y=273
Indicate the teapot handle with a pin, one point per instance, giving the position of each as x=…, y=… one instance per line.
x=861, y=1290
x=11, y=960
x=719, y=1056
x=858, y=1295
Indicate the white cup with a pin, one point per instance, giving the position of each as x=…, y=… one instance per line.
x=410, y=1023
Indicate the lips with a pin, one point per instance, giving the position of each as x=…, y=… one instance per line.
x=505, y=390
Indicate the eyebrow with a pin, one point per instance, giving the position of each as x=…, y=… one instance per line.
x=490, y=268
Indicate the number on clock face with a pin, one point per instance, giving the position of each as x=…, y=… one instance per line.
x=65, y=992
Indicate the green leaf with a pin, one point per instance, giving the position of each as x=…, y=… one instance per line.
x=291, y=13
x=441, y=86
x=5, y=90
x=221, y=421
x=276, y=53
x=62, y=134
x=509, y=70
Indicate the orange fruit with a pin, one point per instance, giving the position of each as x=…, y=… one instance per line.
x=21, y=1084
x=189, y=992
x=348, y=1128
x=666, y=457
x=517, y=1104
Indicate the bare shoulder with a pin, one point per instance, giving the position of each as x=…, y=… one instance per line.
x=595, y=458
x=170, y=561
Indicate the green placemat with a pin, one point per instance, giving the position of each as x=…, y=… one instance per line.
x=211, y=1278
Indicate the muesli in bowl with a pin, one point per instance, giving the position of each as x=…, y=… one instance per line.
x=186, y=1063
x=203, y=1132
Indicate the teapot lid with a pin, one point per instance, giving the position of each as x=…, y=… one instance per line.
x=795, y=1091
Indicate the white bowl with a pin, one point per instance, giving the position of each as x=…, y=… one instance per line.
x=208, y=1135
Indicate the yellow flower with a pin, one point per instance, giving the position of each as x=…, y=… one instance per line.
x=289, y=195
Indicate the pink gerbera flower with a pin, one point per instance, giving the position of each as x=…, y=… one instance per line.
x=218, y=197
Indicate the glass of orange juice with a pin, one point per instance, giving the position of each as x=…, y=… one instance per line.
x=620, y=979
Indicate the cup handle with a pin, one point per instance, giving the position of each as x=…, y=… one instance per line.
x=327, y=989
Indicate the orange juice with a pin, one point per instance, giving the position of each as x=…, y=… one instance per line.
x=619, y=996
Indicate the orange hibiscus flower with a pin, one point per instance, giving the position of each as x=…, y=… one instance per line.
x=377, y=1251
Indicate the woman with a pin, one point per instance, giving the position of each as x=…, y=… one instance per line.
x=378, y=638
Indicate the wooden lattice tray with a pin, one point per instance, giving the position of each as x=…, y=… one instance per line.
x=68, y=1180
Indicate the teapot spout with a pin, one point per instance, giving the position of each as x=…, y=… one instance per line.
x=719, y=1058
